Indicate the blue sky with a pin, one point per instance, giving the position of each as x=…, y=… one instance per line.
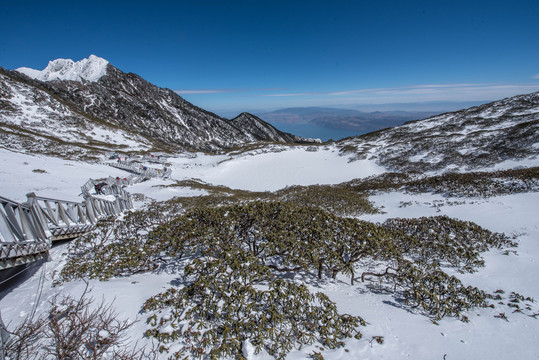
x=255, y=55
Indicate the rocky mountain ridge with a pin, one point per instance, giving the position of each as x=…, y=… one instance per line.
x=131, y=110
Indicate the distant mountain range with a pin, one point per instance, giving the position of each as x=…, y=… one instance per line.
x=344, y=122
x=82, y=108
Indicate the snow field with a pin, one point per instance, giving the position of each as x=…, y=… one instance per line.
x=484, y=337
x=406, y=333
x=274, y=171
x=62, y=179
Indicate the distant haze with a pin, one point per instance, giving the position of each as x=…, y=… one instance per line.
x=336, y=123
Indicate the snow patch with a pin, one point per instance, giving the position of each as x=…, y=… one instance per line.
x=275, y=170
x=91, y=69
x=534, y=110
x=494, y=113
x=248, y=350
x=418, y=157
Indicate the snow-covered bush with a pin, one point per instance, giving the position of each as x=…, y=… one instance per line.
x=447, y=241
x=118, y=246
x=471, y=184
x=284, y=236
x=233, y=299
x=426, y=286
x=236, y=260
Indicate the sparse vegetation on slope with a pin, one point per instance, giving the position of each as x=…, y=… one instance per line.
x=468, y=139
x=480, y=184
x=341, y=199
x=74, y=328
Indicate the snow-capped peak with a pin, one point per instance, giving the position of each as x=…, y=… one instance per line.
x=91, y=69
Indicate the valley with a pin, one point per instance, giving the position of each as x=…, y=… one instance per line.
x=417, y=241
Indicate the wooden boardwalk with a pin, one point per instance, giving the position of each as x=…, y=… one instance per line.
x=28, y=229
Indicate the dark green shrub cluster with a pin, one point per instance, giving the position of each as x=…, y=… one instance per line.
x=233, y=298
x=340, y=199
x=289, y=238
x=385, y=182
x=483, y=184
x=446, y=241
x=284, y=236
x=118, y=247
x=235, y=257
x=471, y=184
x=426, y=286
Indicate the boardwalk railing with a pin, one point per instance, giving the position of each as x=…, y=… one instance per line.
x=144, y=171
x=22, y=240
x=99, y=208
x=28, y=230
x=61, y=219
x=110, y=186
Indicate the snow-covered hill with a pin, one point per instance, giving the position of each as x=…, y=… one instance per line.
x=497, y=133
x=33, y=120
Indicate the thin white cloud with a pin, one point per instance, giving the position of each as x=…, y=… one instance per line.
x=536, y=76
x=203, y=91
x=274, y=98
x=222, y=91
x=295, y=94
x=424, y=92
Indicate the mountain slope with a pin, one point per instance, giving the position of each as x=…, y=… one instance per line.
x=261, y=129
x=474, y=138
x=34, y=120
x=101, y=93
